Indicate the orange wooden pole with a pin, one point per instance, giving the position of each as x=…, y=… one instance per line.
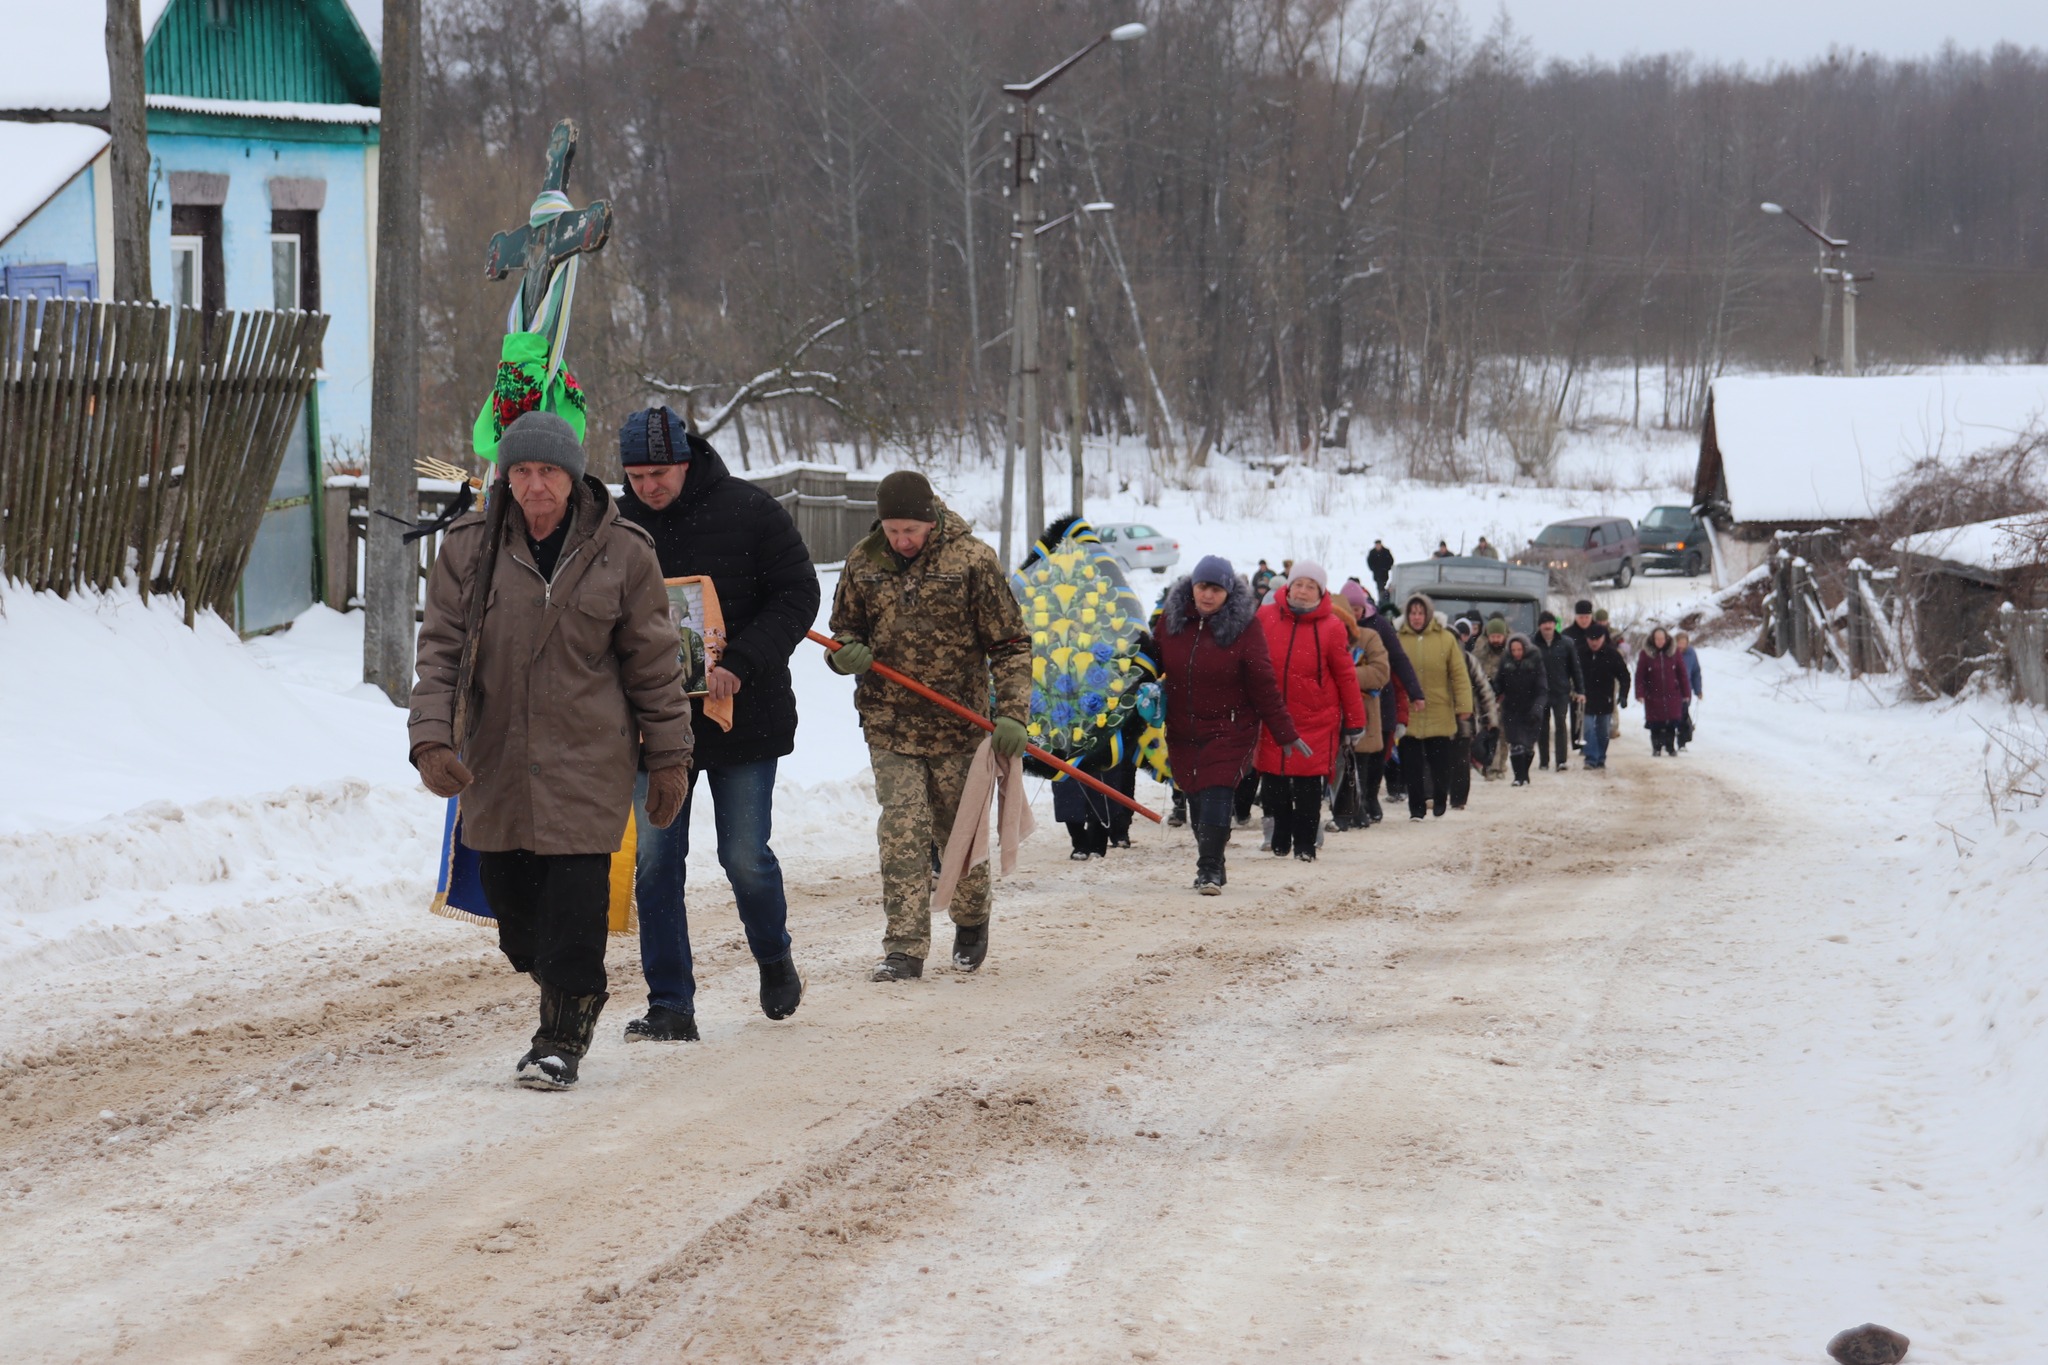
x=832, y=646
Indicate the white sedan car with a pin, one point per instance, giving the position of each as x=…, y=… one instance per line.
x=1138, y=546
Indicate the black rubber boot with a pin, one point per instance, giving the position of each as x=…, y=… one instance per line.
x=663, y=1025
x=566, y=1024
x=782, y=988
x=970, y=946
x=1179, y=815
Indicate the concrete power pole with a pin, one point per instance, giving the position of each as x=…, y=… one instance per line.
x=391, y=580
x=1024, y=315
x=1024, y=289
x=1076, y=411
x=128, y=153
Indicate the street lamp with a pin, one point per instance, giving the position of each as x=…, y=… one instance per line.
x=1833, y=270
x=1024, y=300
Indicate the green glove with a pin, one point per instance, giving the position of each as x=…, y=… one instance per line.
x=851, y=657
x=1009, y=738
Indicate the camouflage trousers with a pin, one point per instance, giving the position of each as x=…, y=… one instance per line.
x=920, y=797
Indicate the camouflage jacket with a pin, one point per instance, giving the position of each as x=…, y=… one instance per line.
x=947, y=619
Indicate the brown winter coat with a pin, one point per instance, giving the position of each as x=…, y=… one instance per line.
x=1374, y=669
x=576, y=676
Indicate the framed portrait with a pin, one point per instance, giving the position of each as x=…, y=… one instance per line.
x=700, y=629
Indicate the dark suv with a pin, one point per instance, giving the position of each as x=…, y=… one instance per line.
x=1673, y=538
x=1586, y=547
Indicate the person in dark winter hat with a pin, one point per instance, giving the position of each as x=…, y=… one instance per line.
x=564, y=704
x=1582, y=621
x=923, y=594
x=1380, y=561
x=1606, y=692
x=1521, y=688
x=1217, y=679
x=705, y=522
x=1560, y=657
x=1442, y=550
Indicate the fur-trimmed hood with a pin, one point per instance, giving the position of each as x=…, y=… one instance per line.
x=1230, y=619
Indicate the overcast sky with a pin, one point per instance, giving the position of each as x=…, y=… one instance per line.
x=1759, y=32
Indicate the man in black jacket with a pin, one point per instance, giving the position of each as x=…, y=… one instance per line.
x=1582, y=621
x=706, y=522
x=1381, y=562
x=1567, y=676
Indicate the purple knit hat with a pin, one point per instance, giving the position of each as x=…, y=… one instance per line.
x=1354, y=597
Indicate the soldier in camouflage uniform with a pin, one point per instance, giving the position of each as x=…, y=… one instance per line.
x=923, y=596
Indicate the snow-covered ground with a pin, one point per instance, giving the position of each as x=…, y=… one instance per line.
x=1846, y=1045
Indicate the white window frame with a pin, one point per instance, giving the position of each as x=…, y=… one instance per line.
x=196, y=246
x=298, y=269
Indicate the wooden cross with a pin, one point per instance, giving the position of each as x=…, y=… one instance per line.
x=541, y=251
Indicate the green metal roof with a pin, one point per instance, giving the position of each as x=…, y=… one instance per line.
x=306, y=51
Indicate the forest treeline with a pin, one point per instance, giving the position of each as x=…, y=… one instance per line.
x=1328, y=216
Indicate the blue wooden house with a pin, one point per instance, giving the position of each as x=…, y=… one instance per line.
x=262, y=118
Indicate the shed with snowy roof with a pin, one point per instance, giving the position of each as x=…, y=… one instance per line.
x=1800, y=453
x=262, y=123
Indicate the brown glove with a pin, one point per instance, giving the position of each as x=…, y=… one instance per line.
x=441, y=770
x=667, y=789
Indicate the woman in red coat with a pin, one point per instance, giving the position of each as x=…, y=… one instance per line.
x=1217, y=682
x=1661, y=683
x=1311, y=653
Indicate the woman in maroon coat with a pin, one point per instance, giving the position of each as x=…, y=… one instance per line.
x=1217, y=680
x=1662, y=685
x=1311, y=653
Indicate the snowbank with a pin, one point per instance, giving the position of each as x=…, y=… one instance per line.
x=1971, y=1042
x=160, y=785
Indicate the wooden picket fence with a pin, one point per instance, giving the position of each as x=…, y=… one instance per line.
x=138, y=438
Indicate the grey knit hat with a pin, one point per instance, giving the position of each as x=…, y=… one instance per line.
x=541, y=438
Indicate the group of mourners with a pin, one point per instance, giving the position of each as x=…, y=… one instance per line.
x=550, y=703
x=1344, y=704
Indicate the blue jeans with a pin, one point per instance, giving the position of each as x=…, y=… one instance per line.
x=1598, y=730
x=741, y=800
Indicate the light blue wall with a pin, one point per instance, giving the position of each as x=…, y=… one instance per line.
x=61, y=231
x=249, y=165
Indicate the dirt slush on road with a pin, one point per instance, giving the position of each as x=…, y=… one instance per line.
x=1353, y=1109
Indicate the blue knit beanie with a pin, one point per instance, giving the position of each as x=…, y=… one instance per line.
x=654, y=436
x=1214, y=569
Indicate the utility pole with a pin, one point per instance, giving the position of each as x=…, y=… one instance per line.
x=1834, y=273
x=1024, y=298
x=391, y=577
x=127, y=153
x=1024, y=166
x=1077, y=412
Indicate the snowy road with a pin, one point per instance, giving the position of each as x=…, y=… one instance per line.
x=1599, y=1067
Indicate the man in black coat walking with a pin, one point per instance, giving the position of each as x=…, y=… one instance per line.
x=1582, y=621
x=706, y=522
x=1566, y=672
x=1381, y=562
